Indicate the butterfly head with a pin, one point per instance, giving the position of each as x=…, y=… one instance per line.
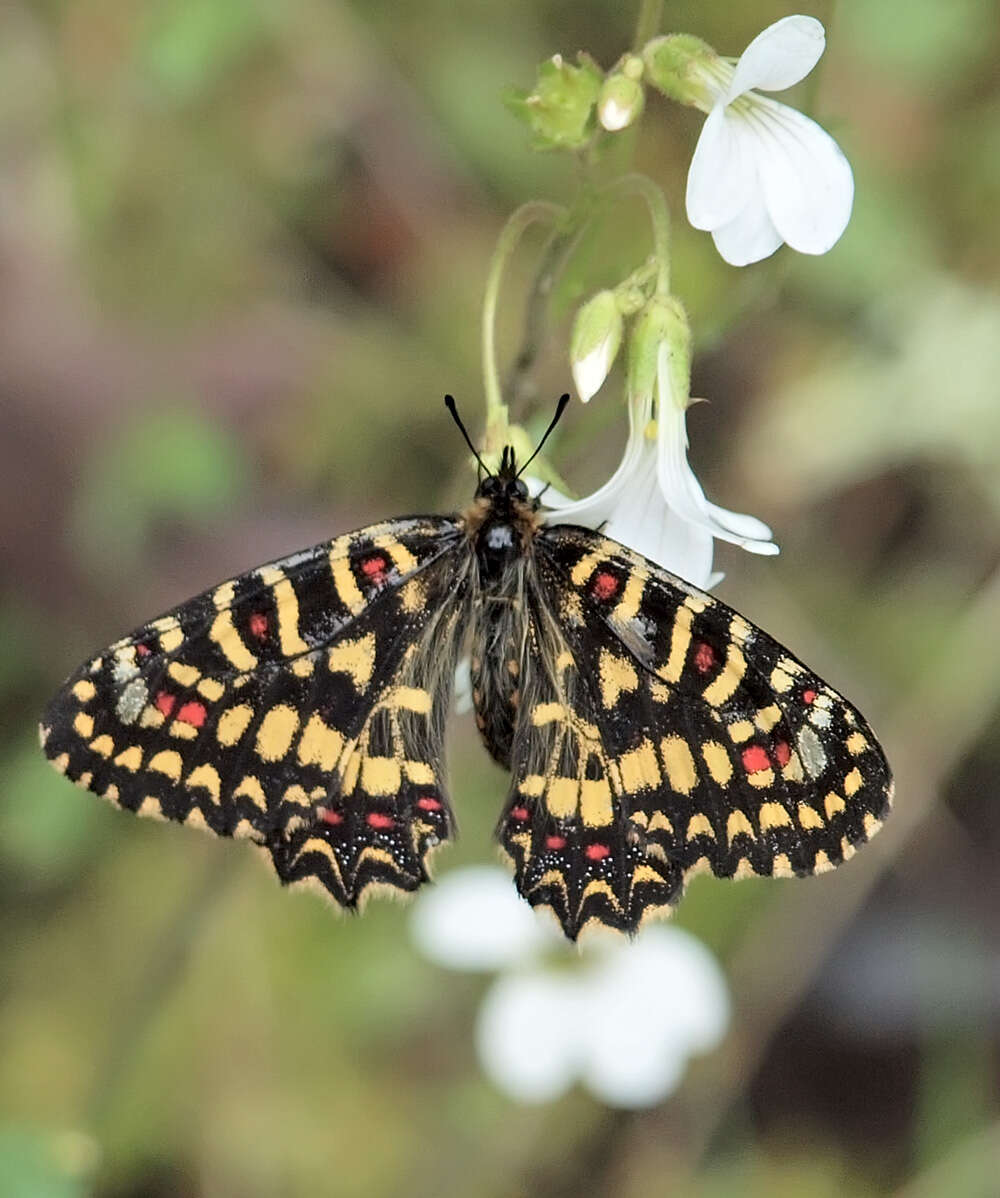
x=504, y=487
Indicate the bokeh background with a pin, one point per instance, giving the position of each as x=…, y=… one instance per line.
x=242, y=249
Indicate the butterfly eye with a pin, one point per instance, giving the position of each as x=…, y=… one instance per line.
x=489, y=486
x=518, y=489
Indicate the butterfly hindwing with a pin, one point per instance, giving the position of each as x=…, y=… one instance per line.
x=300, y=705
x=663, y=734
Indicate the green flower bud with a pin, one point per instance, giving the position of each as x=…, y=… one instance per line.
x=659, y=352
x=686, y=69
x=621, y=101
x=560, y=109
x=594, y=344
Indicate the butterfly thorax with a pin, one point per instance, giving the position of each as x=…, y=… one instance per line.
x=502, y=524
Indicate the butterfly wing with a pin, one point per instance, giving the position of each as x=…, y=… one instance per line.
x=663, y=734
x=300, y=705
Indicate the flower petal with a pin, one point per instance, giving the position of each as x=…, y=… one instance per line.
x=722, y=178
x=528, y=1034
x=750, y=237
x=781, y=55
x=806, y=181
x=473, y=919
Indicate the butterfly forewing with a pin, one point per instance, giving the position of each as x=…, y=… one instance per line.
x=298, y=705
x=664, y=734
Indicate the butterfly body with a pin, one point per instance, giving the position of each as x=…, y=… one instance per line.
x=651, y=732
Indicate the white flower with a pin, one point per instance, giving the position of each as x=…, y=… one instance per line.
x=653, y=503
x=621, y=1017
x=762, y=173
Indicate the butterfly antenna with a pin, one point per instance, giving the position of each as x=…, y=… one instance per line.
x=449, y=403
x=560, y=408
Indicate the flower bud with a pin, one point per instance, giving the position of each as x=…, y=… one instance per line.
x=560, y=108
x=594, y=344
x=659, y=352
x=686, y=69
x=622, y=99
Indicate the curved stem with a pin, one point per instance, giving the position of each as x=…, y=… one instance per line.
x=659, y=219
x=534, y=212
x=647, y=24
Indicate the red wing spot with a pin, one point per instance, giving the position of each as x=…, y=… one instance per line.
x=258, y=625
x=376, y=819
x=704, y=657
x=328, y=816
x=375, y=569
x=193, y=713
x=782, y=752
x=555, y=842
x=521, y=814
x=164, y=703
x=808, y=697
x=605, y=586
x=597, y=852
x=429, y=803
x=755, y=759
x=143, y=650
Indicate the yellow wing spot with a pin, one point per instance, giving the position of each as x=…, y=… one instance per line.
x=717, y=759
x=355, y=658
x=856, y=743
x=739, y=629
x=150, y=808
x=419, y=773
x=680, y=640
x=168, y=762
x=646, y=873
x=532, y=787
x=767, y=717
x=250, y=788
x=724, y=685
x=297, y=796
x=169, y=632
x=61, y=763
x=381, y=776
x=761, y=779
x=585, y=567
x=112, y=793
x=743, y=870
x=316, y=845
x=411, y=698
x=344, y=582
x=151, y=717
x=413, y=595
x=211, y=689
x=871, y=824
x=571, y=609
x=595, y=802
x=84, y=690
x=660, y=823
x=564, y=661
x=83, y=725
x=679, y=764
x=185, y=675
x=245, y=830
x=780, y=680
x=739, y=825
x=640, y=818
x=206, y=777
x=773, y=815
x=833, y=804
x=853, y=782
x=351, y=768
x=809, y=817
x=233, y=723
x=547, y=713
x=639, y=769
x=701, y=866
x=402, y=558
x=822, y=864
x=627, y=608
x=130, y=758
x=562, y=797
x=599, y=886
x=223, y=631
x=792, y=770
x=617, y=677
x=659, y=691
x=303, y=667
x=274, y=736
x=740, y=730
x=286, y=605
x=103, y=746
x=320, y=744
x=847, y=850
x=782, y=867
x=698, y=825
x=183, y=731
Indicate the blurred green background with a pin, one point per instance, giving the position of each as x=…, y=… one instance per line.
x=242, y=248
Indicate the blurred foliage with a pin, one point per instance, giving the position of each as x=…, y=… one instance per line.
x=243, y=247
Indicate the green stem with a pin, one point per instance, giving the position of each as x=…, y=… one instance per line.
x=647, y=24
x=534, y=212
x=659, y=218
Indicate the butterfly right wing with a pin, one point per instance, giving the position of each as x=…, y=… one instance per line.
x=301, y=705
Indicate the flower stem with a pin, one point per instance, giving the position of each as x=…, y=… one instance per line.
x=659, y=218
x=647, y=24
x=534, y=212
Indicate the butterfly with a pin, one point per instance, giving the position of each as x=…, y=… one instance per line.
x=651, y=731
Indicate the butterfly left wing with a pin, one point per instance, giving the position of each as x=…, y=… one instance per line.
x=300, y=705
x=659, y=734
